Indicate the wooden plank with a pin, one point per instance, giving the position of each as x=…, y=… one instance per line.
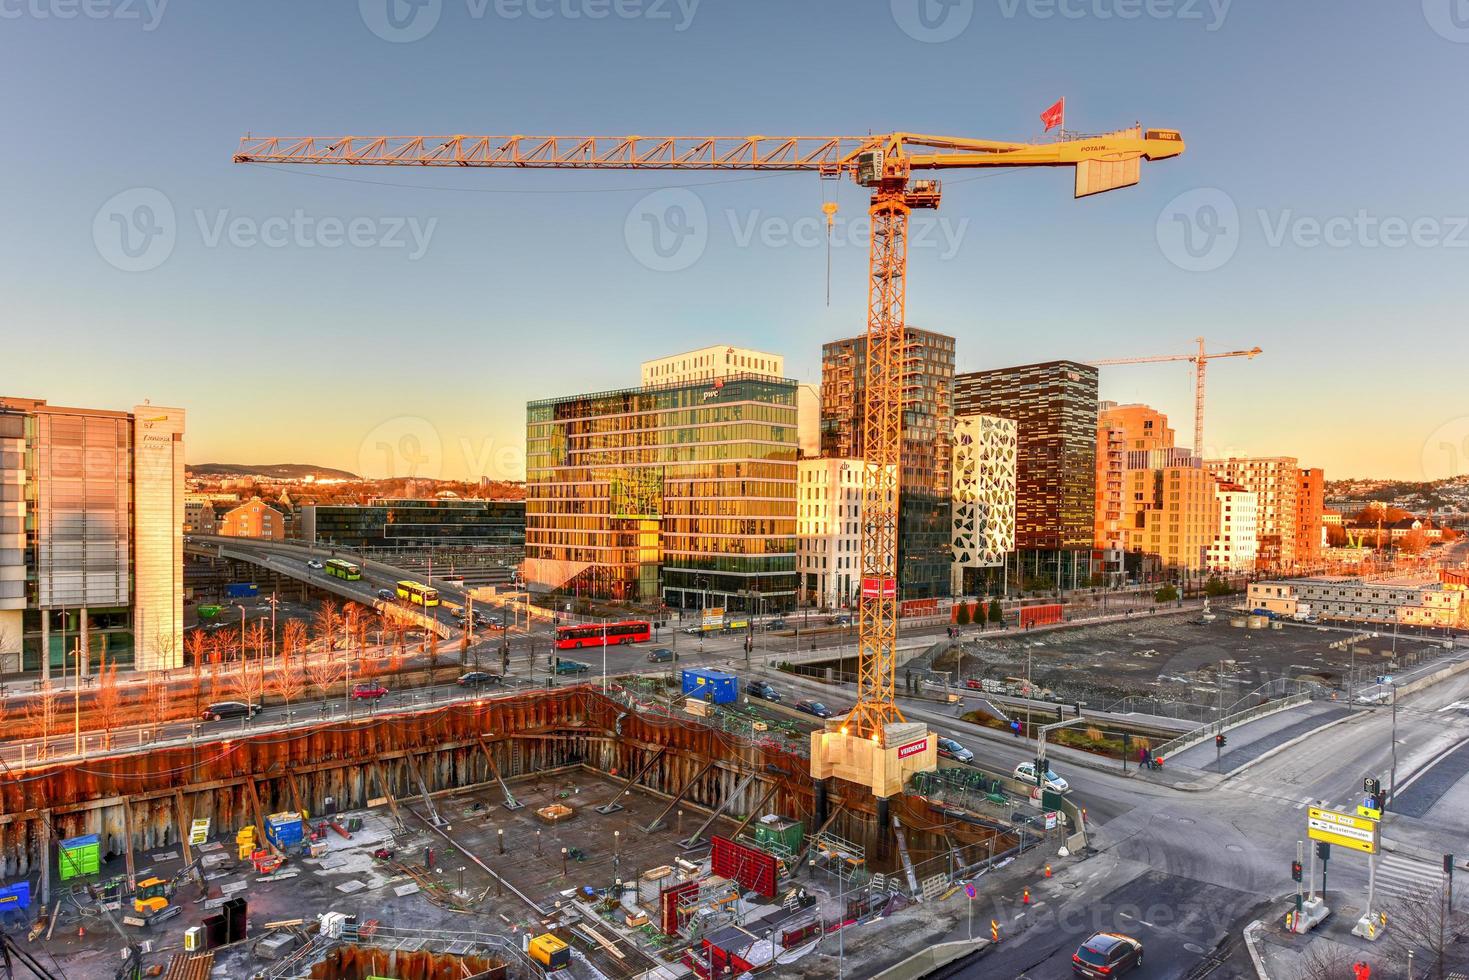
x=185, y=820
x=510, y=800
x=127, y=829
x=296, y=798
x=382, y=783
x=260, y=837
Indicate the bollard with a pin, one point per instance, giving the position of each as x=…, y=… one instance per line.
x=994, y=930
x=501, y=834
x=1025, y=897
x=1048, y=870
x=538, y=843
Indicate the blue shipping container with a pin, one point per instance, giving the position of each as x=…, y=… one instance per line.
x=713, y=686
x=242, y=590
x=15, y=897
x=283, y=830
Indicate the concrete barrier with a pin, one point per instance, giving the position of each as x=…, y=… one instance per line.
x=922, y=963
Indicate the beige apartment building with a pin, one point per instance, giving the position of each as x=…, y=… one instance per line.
x=254, y=519
x=1275, y=482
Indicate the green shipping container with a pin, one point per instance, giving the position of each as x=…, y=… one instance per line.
x=783, y=834
x=78, y=856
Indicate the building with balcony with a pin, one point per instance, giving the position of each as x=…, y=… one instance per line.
x=829, y=531
x=91, y=537
x=1054, y=408
x=1233, y=548
x=924, y=522
x=680, y=493
x=1275, y=482
x=709, y=363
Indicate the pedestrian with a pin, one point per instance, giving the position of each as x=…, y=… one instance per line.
x=1142, y=757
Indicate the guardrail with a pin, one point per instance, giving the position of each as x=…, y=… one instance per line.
x=1231, y=721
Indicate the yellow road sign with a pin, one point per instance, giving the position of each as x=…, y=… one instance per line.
x=1342, y=829
x=1369, y=813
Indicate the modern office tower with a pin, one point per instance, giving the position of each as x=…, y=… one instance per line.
x=682, y=493
x=983, y=469
x=928, y=423
x=412, y=524
x=1054, y=407
x=91, y=537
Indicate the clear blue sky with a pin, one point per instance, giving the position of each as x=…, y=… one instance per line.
x=527, y=285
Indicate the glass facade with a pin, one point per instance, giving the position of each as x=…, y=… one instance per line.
x=924, y=505
x=419, y=523
x=682, y=493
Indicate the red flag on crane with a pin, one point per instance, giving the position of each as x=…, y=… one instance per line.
x=1055, y=115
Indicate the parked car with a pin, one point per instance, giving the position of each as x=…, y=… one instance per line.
x=479, y=678
x=813, y=708
x=763, y=689
x=494, y=621
x=1106, y=955
x=662, y=655
x=564, y=666
x=314, y=563
x=950, y=749
x=776, y=624
x=387, y=595
x=368, y=691
x=229, y=709
x=1025, y=772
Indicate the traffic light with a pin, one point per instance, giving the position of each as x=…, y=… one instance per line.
x=1126, y=740
x=1220, y=741
x=1448, y=864
x=1296, y=871
x=1323, y=850
x=1372, y=786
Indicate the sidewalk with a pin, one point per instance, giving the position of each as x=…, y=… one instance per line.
x=1248, y=743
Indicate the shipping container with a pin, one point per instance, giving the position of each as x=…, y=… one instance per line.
x=714, y=686
x=242, y=590
x=78, y=856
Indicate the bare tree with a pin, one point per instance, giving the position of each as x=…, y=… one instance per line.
x=1425, y=924
x=256, y=638
x=289, y=680
x=328, y=623
x=1326, y=961
x=247, y=682
x=324, y=670
x=41, y=713
x=293, y=638
x=431, y=644
x=108, y=700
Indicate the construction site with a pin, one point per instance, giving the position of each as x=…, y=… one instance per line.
x=604, y=835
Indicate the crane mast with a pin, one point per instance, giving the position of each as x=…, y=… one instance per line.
x=883, y=163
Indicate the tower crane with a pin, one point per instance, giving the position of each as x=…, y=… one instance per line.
x=885, y=164
x=1200, y=362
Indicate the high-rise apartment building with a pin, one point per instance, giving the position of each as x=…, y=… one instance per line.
x=923, y=473
x=1275, y=482
x=1109, y=537
x=1310, y=519
x=985, y=447
x=1234, y=547
x=1172, y=510
x=1054, y=407
x=683, y=493
x=709, y=363
x=91, y=537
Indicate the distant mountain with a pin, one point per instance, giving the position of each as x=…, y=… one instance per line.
x=280, y=471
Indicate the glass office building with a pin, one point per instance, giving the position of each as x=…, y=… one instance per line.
x=683, y=494
x=413, y=523
x=924, y=499
x=91, y=537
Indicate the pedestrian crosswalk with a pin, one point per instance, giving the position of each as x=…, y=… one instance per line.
x=1400, y=877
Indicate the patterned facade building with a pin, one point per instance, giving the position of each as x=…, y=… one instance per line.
x=928, y=425
x=985, y=448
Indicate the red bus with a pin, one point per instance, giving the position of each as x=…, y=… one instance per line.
x=595, y=634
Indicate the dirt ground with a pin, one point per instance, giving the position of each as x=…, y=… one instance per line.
x=1177, y=659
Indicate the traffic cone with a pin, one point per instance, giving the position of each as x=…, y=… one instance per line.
x=1025, y=898
x=81, y=932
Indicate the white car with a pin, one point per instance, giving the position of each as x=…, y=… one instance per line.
x=1025, y=772
x=314, y=563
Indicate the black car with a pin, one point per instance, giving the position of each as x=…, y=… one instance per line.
x=776, y=624
x=478, y=678
x=662, y=655
x=387, y=595
x=229, y=709
x=762, y=689
x=813, y=708
x=1106, y=955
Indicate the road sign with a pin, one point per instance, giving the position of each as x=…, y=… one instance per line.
x=969, y=890
x=1342, y=829
x=199, y=831
x=1366, y=809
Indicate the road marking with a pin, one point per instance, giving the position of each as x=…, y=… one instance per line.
x=1404, y=877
